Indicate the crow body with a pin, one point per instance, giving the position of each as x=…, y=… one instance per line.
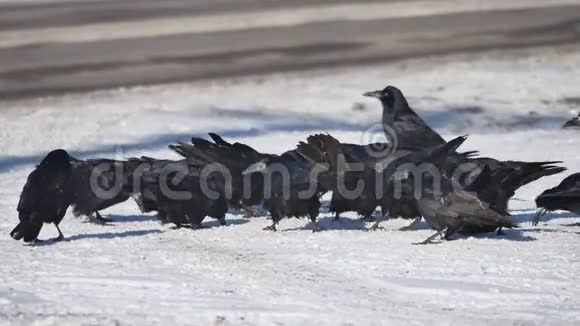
x=180, y=192
x=448, y=208
x=233, y=159
x=44, y=198
x=98, y=184
x=292, y=187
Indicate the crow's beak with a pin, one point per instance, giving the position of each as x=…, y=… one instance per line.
x=376, y=94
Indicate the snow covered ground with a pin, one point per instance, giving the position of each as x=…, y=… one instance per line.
x=140, y=272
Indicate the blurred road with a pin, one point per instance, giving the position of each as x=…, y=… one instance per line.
x=84, y=45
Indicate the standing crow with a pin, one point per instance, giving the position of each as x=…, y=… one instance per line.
x=405, y=128
x=565, y=196
x=293, y=184
x=446, y=206
x=181, y=192
x=44, y=198
x=353, y=169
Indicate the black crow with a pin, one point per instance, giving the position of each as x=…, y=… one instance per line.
x=44, y=198
x=293, y=184
x=444, y=204
x=181, y=191
x=498, y=181
x=405, y=128
x=97, y=184
x=244, y=190
x=574, y=122
x=364, y=163
x=353, y=166
x=565, y=196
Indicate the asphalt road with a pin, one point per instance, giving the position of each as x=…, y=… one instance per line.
x=40, y=56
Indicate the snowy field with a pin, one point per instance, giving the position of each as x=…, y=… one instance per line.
x=140, y=272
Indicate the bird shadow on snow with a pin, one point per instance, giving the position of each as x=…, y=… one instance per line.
x=113, y=235
x=100, y=236
x=517, y=235
x=328, y=224
x=216, y=224
x=529, y=215
x=132, y=218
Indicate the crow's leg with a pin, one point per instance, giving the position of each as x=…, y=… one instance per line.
x=385, y=214
x=376, y=226
x=539, y=213
x=500, y=231
x=98, y=219
x=315, y=227
x=412, y=226
x=368, y=218
x=222, y=221
x=277, y=213
x=60, y=235
x=336, y=217
x=271, y=227
x=384, y=211
x=449, y=232
x=431, y=238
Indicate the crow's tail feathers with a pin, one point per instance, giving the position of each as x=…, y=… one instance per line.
x=527, y=172
x=321, y=149
x=200, y=150
x=221, y=151
x=469, y=154
x=219, y=140
x=183, y=149
x=439, y=154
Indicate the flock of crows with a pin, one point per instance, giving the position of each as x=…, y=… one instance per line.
x=416, y=174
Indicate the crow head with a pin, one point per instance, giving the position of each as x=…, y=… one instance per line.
x=390, y=97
